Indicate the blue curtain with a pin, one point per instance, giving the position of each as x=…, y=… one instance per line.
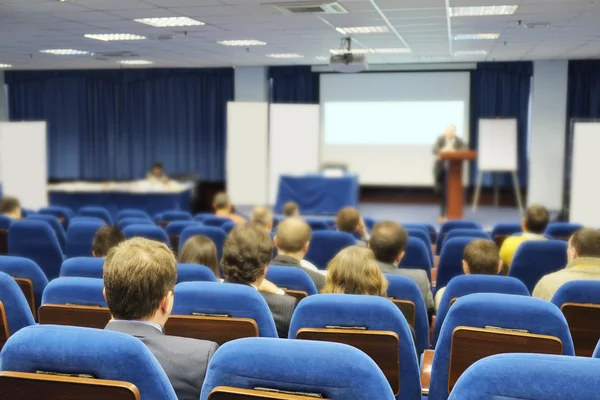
x=113, y=124
x=502, y=90
x=297, y=84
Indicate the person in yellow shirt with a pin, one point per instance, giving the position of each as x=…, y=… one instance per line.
x=534, y=224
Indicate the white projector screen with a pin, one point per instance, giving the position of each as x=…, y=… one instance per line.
x=584, y=175
x=384, y=125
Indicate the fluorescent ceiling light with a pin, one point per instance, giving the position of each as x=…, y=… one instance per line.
x=322, y=58
x=470, y=53
x=285, y=55
x=5, y=66
x=481, y=11
x=108, y=37
x=357, y=30
x=477, y=36
x=166, y=22
x=64, y=52
x=135, y=62
x=243, y=43
x=399, y=50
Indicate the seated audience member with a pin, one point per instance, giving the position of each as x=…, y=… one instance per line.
x=223, y=208
x=262, y=216
x=480, y=257
x=349, y=220
x=157, y=174
x=105, y=239
x=291, y=209
x=388, y=241
x=292, y=239
x=246, y=256
x=354, y=270
x=584, y=264
x=11, y=207
x=533, y=224
x=200, y=249
x=139, y=279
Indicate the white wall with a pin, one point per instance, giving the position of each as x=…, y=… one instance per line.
x=3, y=103
x=251, y=84
x=547, y=141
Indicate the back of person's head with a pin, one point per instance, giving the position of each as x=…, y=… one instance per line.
x=105, y=239
x=388, y=241
x=262, y=216
x=536, y=219
x=354, y=270
x=585, y=243
x=292, y=236
x=11, y=207
x=200, y=249
x=139, y=279
x=348, y=220
x=221, y=201
x=158, y=166
x=481, y=257
x=246, y=253
x=291, y=209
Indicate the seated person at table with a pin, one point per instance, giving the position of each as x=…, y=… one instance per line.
x=291, y=209
x=262, y=216
x=223, y=208
x=157, y=174
x=533, y=224
x=292, y=239
x=388, y=241
x=139, y=280
x=584, y=264
x=480, y=257
x=349, y=220
x=105, y=239
x=246, y=256
x=11, y=207
x=354, y=270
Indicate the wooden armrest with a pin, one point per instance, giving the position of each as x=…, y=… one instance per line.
x=431, y=327
x=426, y=371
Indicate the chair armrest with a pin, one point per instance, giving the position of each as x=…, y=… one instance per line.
x=431, y=328
x=426, y=371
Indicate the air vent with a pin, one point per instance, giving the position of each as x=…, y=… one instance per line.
x=309, y=7
x=537, y=25
x=116, y=54
x=164, y=37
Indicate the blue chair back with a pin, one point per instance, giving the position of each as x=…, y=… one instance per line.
x=324, y=245
x=125, y=222
x=470, y=233
x=217, y=235
x=537, y=258
x=75, y=290
x=503, y=230
x=96, y=211
x=20, y=267
x=132, y=213
x=464, y=285
x=451, y=225
x=426, y=227
x=175, y=228
x=56, y=227
x=37, y=241
x=291, y=278
x=317, y=224
x=195, y=273
x=424, y=236
x=80, y=237
x=374, y=313
x=297, y=366
x=73, y=350
x=451, y=260
x=26, y=212
x=417, y=256
x=215, y=221
x=59, y=212
x=581, y=292
x=151, y=232
x=235, y=300
x=562, y=230
x=228, y=226
x=18, y=312
x=369, y=222
x=202, y=216
x=84, y=267
x=173, y=215
x=5, y=222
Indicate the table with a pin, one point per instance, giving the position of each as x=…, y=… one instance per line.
x=317, y=194
x=115, y=196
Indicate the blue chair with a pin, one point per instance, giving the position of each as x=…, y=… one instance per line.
x=296, y=366
x=59, y=212
x=468, y=284
x=26, y=212
x=29, y=275
x=56, y=227
x=87, y=219
x=96, y=211
x=470, y=233
x=503, y=230
x=80, y=237
x=424, y=236
x=228, y=226
x=237, y=301
x=562, y=230
x=417, y=256
x=512, y=376
x=74, y=290
x=451, y=225
x=215, y=221
x=402, y=289
x=18, y=312
x=426, y=227
x=174, y=230
x=202, y=216
x=37, y=241
x=5, y=222
x=481, y=310
x=4, y=226
x=217, y=235
x=317, y=224
x=535, y=259
x=291, y=279
x=324, y=245
x=370, y=222
x=132, y=213
x=151, y=232
x=451, y=260
x=125, y=222
x=373, y=312
x=106, y=355
x=84, y=267
x=195, y=273
x=173, y=215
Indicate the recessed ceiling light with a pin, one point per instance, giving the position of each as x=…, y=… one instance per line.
x=358, y=30
x=399, y=50
x=470, y=53
x=5, y=66
x=477, y=36
x=65, y=52
x=135, y=62
x=322, y=58
x=353, y=51
x=392, y=50
x=244, y=43
x=285, y=55
x=536, y=25
x=108, y=37
x=166, y=22
x=481, y=11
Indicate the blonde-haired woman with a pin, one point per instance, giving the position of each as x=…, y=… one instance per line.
x=354, y=270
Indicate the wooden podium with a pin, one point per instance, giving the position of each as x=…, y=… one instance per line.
x=454, y=186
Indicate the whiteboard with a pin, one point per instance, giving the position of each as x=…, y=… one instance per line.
x=497, y=149
x=584, y=175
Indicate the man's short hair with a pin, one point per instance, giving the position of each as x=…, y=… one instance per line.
x=347, y=219
x=290, y=209
x=586, y=242
x=138, y=274
x=247, y=251
x=221, y=201
x=292, y=234
x=482, y=257
x=105, y=239
x=262, y=216
x=9, y=205
x=536, y=219
x=388, y=240
x=157, y=165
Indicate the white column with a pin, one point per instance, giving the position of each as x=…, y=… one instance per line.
x=3, y=99
x=251, y=84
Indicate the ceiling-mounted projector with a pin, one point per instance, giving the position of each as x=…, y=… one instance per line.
x=346, y=61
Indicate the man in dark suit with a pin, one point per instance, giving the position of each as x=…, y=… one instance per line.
x=448, y=142
x=246, y=255
x=292, y=240
x=139, y=279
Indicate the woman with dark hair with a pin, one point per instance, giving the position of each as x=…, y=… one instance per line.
x=200, y=249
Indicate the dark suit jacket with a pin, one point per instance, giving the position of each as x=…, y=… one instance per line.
x=418, y=276
x=282, y=307
x=438, y=167
x=184, y=360
x=287, y=261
